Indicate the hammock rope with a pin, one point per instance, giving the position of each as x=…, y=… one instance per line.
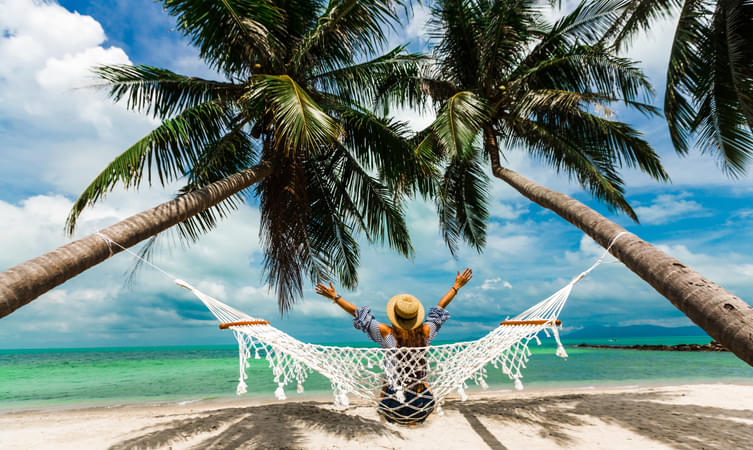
x=406, y=384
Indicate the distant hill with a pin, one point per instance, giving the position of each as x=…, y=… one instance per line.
x=634, y=331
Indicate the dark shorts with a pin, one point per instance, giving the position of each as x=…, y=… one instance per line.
x=415, y=409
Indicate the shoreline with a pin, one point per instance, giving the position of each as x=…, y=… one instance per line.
x=714, y=346
x=324, y=396
x=716, y=415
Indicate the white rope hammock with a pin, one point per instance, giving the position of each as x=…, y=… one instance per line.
x=407, y=384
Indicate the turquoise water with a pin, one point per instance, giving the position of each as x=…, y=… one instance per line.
x=108, y=376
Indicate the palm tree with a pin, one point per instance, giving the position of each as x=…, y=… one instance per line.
x=503, y=79
x=289, y=118
x=709, y=90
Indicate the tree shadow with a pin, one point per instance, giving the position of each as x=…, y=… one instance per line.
x=549, y=414
x=269, y=426
x=481, y=430
x=680, y=426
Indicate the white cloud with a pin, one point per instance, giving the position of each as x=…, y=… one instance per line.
x=213, y=288
x=98, y=302
x=317, y=308
x=744, y=214
x=669, y=207
x=47, y=54
x=652, y=48
x=418, y=26
x=673, y=322
x=416, y=120
x=38, y=28
x=495, y=283
x=511, y=245
x=505, y=210
x=731, y=270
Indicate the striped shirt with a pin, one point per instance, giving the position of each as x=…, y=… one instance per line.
x=366, y=322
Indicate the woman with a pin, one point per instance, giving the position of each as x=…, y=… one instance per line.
x=407, y=329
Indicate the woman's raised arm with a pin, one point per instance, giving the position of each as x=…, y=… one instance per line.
x=330, y=293
x=460, y=280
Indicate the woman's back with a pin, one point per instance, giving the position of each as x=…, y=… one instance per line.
x=406, y=397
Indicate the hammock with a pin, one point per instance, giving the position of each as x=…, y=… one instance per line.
x=405, y=383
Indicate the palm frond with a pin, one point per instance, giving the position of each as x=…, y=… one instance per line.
x=168, y=150
x=616, y=142
x=586, y=24
x=299, y=123
x=345, y=29
x=721, y=124
x=231, y=35
x=332, y=240
x=284, y=231
x=458, y=124
x=360, y=83
x=378, y=209
x=506, y=29
x=593, y=170
x=462, y=203
x=638, y=16
x=232, y=153
x=585, y=69
x=416, y=91
x=383, y=145
x=739, y=43
x=160, y=92
x=684, y=63
x=458, y=27
x=537, y=100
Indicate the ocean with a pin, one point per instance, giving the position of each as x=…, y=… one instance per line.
x=114, y=376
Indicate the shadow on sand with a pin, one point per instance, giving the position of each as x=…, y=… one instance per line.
x=269, y=426
x=646, y=414
x=286, y=425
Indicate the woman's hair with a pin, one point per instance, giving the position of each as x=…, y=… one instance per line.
x=413, y=338
x=409, y=338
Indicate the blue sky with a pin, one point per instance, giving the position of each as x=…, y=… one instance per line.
x=55, y=135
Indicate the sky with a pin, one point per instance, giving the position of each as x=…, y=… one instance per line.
x=57, y=133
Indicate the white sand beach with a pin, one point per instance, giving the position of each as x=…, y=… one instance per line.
x=718, y=416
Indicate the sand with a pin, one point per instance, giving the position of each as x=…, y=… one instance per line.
x=686, y=417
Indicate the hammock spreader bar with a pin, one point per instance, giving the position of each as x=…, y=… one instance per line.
x=531, y=322
x=226, y=325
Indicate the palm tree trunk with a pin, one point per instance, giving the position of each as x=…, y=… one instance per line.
x=723, y=316
x=23, y=283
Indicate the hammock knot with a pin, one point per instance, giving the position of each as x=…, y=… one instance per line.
x=462, y=394
x=280, y=392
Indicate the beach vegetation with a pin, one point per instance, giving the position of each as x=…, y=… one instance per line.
x=708, y=101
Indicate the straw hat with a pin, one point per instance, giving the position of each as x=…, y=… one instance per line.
x=405, y=311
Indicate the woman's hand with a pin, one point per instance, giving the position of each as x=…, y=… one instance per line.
x=329, y=292
x=463, y=278
x=325, y=291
